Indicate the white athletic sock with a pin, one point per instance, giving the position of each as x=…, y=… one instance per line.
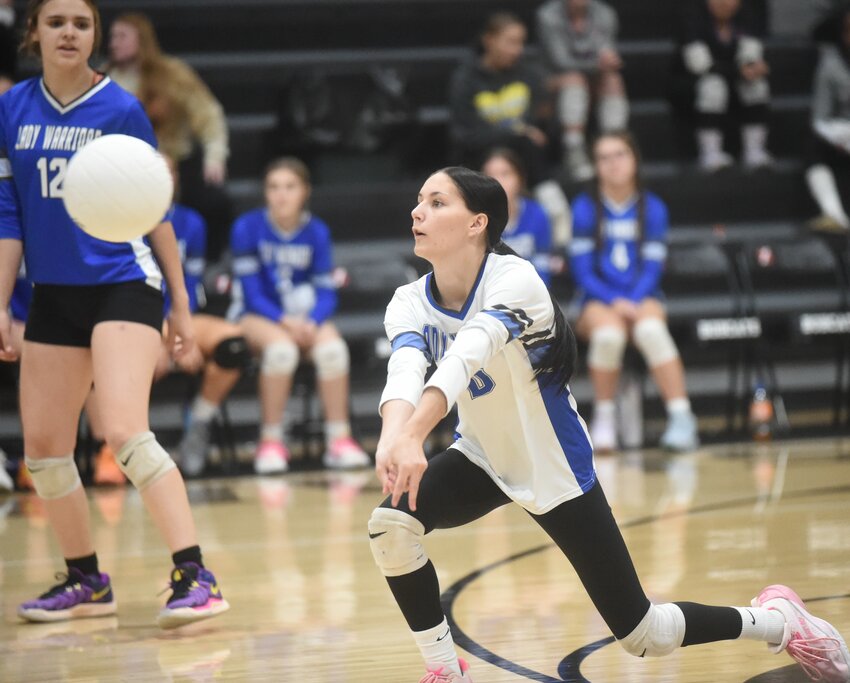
x=604, y=410
x=678, y=405
x=766, y=625
x=437, y=646
x=825, y=192
x=203, y=410
x=337, y=430
x=272, y=432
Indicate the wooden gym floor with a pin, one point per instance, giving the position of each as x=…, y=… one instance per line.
x=293, y=559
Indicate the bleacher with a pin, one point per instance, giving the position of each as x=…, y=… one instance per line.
x=249, y=51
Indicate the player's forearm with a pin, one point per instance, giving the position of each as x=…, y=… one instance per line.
x=11, y=251
x=164, y=245
x=432, y=407
x=394, y=415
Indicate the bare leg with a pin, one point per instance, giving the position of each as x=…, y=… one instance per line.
x=274, y=389
x=55, y=381
x=334, y=391
x=124, y=391
x=669, y=376
x=209, y=333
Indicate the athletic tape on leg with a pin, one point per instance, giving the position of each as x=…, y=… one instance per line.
x=660, y=632
x=396, y=541
x=279, y=359
x=331, y=359
x=143, y=460
x=607, y=344
x=54, y=477
x=652, y=337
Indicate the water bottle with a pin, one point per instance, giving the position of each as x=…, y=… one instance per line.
x=761, y=414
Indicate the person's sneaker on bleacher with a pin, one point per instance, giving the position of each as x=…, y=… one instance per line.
x=78, y=596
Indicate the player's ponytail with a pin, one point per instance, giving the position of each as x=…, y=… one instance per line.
x=556, y=366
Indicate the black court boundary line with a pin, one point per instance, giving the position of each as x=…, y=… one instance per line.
x=569, y=668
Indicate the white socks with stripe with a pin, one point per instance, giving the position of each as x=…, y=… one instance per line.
x=437, y=646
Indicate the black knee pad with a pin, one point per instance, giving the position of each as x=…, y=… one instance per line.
x=232, y=354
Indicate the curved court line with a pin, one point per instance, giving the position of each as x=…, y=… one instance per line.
x=569, y=669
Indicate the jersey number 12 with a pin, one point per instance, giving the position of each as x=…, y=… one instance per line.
x=51, y=187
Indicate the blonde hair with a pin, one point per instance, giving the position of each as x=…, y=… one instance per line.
x=31, y=47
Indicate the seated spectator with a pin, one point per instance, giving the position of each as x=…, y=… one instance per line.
x=189, y=122
x=221, y=352
x=722, y=70
x=498, y=99
x=282, y=259
x=618, y=253
x=579, y=38
x=528, y=232
x=830, y=154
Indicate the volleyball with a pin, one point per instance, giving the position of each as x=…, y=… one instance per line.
x=117, y=188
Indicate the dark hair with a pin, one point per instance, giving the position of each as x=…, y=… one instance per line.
x=513, y=160
x=32, y=48
x=495, y=24
x=627, y=139
x=294, y=164
x=483, y=194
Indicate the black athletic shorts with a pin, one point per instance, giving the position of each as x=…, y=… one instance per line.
x=65, y=315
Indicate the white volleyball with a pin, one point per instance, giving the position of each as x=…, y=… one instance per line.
x=117, y=188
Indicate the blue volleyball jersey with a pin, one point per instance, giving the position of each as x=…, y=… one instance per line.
x=275, y=268
x=531, y=237
x=190, y=229
x=622, y=264
x=38, y=136
x=19, y=304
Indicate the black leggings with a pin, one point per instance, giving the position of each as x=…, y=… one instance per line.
x=454, y=492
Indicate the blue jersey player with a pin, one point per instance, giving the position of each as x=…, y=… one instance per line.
x=504, y=354
x=618, y=252
x=528, y=231
x=283, y=262
x=221, y=352
x=96, y=316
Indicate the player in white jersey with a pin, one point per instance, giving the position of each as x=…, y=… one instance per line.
x=96, y=315
x=504, y=354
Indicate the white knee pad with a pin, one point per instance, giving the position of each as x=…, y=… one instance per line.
x=754, y=92
x=712, y=94
x=697, y=56
x=396, y=541
x=573, y=102
x=143, y=460
x=660, y=632
x=279, y=358
x=54, y=477
x=607, y=345
x=613, y=113
x=652, y=337
x=331, y=359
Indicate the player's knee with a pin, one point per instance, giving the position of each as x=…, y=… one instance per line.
x=232, y=353
x=280, y=358
x=396, y=541
x=607, y=344
x=712, y=94
x=754, y=92
x=143, y=460
x=331, y=359
x=660, y=632
x=573, y=102
x=613, y=112
x=54, y=477
x=653, y=339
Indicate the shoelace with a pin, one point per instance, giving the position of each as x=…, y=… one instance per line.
x=180, y=584
x=809, y=654
x=64, y=584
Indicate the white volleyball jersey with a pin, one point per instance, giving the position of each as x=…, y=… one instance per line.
x=526, y=435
